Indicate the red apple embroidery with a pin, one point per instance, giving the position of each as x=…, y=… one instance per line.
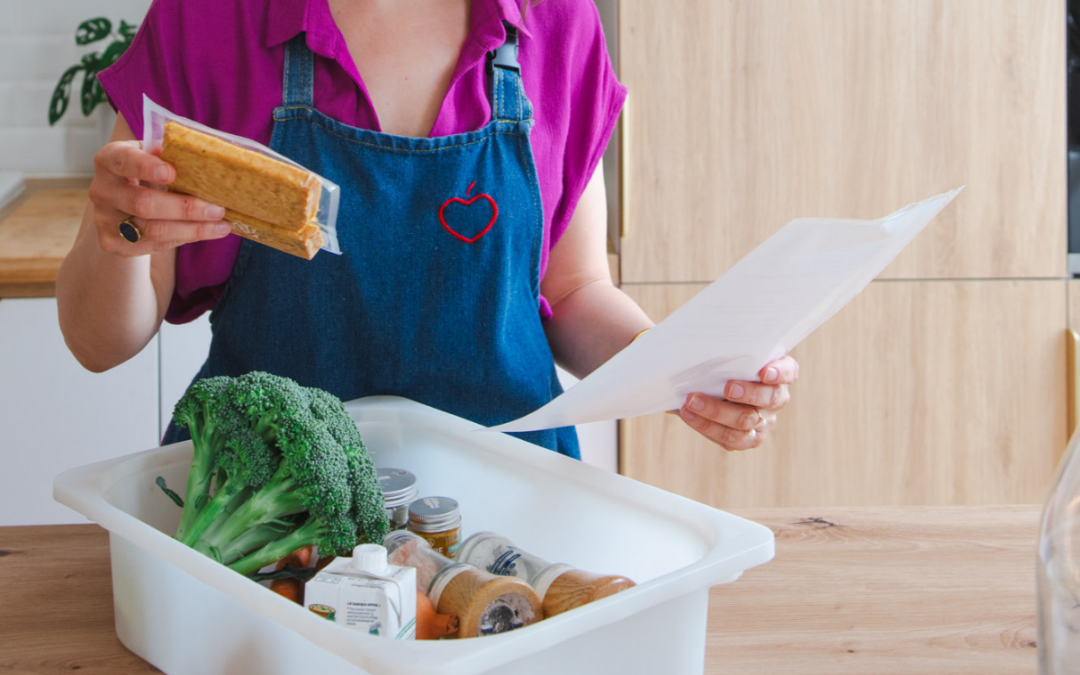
x=494, y=213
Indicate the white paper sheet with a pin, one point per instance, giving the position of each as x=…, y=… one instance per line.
x=757, y=312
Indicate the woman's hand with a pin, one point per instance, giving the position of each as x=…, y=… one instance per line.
x=164, y=220
x=743, y=420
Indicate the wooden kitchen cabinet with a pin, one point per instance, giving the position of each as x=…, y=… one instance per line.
x=744, y=114
x=926, y=392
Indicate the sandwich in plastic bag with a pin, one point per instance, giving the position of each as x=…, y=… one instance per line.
x=268, y=198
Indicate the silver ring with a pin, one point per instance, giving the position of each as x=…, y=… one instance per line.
x=130, y=231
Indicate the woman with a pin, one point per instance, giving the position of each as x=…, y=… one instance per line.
x=466, y=138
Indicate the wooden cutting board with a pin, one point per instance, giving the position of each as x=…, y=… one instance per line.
x=35, y=238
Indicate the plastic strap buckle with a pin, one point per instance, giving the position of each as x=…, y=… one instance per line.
x=506, y=55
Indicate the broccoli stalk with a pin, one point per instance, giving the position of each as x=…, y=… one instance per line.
x=314, y=531
x=209, y=420
x=291, y=471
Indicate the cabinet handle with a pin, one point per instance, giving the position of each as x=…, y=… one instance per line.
x=1072, y=377
x=624, y=170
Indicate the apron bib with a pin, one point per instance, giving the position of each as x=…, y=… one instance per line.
x=436, y=294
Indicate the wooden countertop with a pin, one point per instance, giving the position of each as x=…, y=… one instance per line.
x=36, y=232
x=883, y=591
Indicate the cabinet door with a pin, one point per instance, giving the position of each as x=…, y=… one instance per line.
x=183, y=351
x=915, y=393
x=55, y=415
x=744, y=114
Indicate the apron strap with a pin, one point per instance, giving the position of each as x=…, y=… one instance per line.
x=508, y=100
x=299, y=85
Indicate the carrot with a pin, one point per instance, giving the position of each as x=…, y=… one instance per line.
x=429, y=625
x=293, y=589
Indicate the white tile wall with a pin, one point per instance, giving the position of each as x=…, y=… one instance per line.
x=37, y=44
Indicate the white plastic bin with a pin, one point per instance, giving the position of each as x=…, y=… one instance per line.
x=188, y=615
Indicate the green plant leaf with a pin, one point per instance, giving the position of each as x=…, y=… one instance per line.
x=92, y=93
x=177, y=499
x=62, y=95
x=112, y=54
x=92, y=30
x=128, y=30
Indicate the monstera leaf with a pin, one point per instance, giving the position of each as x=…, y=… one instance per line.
x=127, y=31
x=113, y=53
x=91, y=94
x=93, y=30
x=62, y=95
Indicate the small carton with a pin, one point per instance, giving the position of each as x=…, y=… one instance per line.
x=365, y=593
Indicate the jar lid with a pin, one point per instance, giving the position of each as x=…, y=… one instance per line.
x=396, y=485
x=434, y=510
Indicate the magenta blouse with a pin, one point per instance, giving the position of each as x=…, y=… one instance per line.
x=220, y=62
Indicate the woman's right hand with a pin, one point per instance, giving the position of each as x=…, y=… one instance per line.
x=122, y=188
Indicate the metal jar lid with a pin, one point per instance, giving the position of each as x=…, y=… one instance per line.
x=398, y=486
x=434, y=514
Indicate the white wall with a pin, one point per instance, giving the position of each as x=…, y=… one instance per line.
x=37, y=44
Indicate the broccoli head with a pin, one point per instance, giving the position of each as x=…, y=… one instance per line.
x=289, y=469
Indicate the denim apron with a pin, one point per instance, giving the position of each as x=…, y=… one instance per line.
x=436, y=294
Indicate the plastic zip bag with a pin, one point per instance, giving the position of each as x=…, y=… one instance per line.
x=285, y=219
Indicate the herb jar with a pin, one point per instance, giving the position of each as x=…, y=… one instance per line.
x=560, y=586
x=484, y=603
x=399, y=490
x=438, y=520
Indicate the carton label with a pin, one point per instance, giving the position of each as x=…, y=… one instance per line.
x=378, y=606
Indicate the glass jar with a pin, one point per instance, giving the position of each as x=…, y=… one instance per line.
x=399, y=490
x=1058, y=566
x=484, y=603
x=438, y=520
x=561, y=587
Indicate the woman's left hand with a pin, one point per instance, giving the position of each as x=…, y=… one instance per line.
x=743, y=420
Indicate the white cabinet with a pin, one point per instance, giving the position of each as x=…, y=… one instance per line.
x=599, y=441
x=183, y=351
x=55, y=415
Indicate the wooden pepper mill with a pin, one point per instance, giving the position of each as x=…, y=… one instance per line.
x=484, y=603
x=561, y=587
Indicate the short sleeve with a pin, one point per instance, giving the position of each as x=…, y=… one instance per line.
x=184, y=52
x=597, y=99
x=577, y=100
x=147, y=67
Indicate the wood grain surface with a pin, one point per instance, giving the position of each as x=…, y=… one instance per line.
x=931, y=392
x=887, y=591
x=56, y=600
x=749, y=113
x=35, y=237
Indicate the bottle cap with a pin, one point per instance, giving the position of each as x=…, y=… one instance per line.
x=369, y=558
x=398, y=487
